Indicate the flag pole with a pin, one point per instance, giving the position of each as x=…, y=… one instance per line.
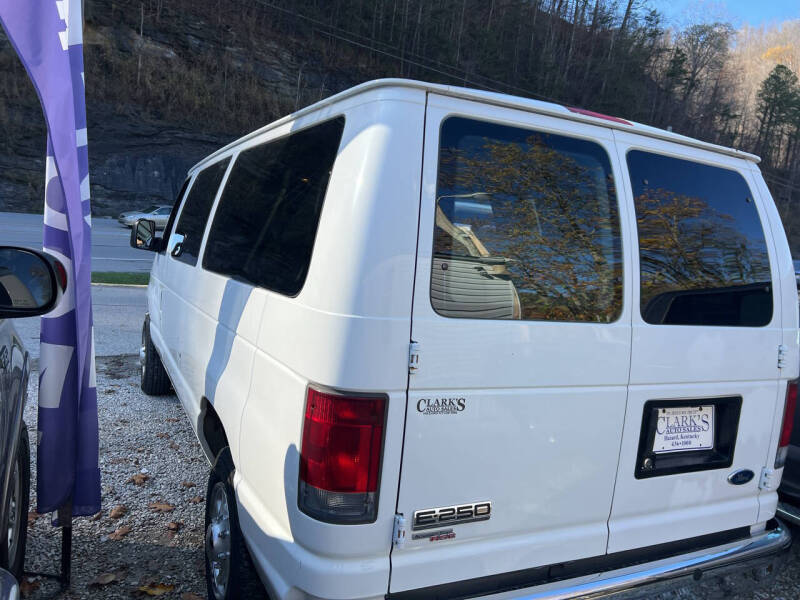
x=65, y=521
x=64, y=577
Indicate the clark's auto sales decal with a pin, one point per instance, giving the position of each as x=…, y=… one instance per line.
x=441, y=406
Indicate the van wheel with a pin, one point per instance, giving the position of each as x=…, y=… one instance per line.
x=155, y=381
x=12, y=551
x=230, y=574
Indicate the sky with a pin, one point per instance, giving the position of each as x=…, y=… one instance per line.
x=738, y=12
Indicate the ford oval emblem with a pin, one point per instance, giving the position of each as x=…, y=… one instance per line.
x=741, y=477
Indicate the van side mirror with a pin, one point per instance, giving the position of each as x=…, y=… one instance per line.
x=31, y=282
x=143, y=236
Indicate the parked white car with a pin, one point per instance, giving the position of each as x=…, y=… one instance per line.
x=158, y=214
x=438, y=342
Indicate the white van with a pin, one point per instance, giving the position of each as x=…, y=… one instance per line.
x=445, y=343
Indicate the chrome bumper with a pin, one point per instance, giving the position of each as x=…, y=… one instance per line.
x=789, y=513
x=759, y=551
x=9, y=590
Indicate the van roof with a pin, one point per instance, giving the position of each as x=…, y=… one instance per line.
x=498, y=99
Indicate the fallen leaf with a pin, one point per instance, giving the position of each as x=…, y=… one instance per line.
x=138, y=478
x=174, y=446
x=188, y=484
x=27, y=587
x=156, y=589
x=162, y=507
x=162, y=435
x=195, y=500
x=172, y=420
x=175, y=525
x=32, y=516
x=97, y=516
x=105, y=579
x=118, y=511
x=120, y=533
x=190, y=596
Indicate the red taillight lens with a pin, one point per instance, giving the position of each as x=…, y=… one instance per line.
x=61, y=274
x=788, y=423
x=340, y=457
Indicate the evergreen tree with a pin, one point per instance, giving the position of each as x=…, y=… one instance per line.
x=777, y=99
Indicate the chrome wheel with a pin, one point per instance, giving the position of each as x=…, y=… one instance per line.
x=13, y=512
x=218, y=541
x=142, y=354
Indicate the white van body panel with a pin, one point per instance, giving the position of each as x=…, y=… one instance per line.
x=675, y=362
x=553, y=410
x=347, y=329
x=541, y=393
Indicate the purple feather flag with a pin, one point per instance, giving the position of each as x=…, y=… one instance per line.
x=48, y=37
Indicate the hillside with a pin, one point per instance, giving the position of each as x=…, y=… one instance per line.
x=170, y=80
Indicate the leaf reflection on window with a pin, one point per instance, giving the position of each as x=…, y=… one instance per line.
x=554, y=229
x=702, y=250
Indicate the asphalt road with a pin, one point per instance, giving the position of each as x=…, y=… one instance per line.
x=111, y=250
x=118, y=316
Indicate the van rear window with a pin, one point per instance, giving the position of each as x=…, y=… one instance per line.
x=266, y=221
x=702, y=251
x=526, y=226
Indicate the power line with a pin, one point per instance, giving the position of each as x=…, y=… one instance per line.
x=457, y=73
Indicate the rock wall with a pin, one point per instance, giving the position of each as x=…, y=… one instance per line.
x=163, y=91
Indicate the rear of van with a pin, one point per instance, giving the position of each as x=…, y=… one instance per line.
x=534, y=353
x=625, y=403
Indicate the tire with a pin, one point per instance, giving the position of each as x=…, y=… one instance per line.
x=12, y=550
x=241, y=581
x=155, y=381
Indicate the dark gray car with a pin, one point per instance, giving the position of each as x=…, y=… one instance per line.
x=30, y=285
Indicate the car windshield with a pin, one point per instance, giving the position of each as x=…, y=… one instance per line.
x=151, y=208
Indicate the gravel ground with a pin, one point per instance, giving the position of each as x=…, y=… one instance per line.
x=151, y=437
x=139, y=435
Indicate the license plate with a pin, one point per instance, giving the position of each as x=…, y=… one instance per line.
x=684, y=429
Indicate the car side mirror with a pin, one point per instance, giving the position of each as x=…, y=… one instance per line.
x=31, y=282
x=143, y=236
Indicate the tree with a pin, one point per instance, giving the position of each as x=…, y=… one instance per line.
x=777, y=100
x=705, y=47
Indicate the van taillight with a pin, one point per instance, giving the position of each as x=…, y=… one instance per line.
x=788, y=422
x=340, y=456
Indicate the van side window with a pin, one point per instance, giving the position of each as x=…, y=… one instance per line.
x=702, y=252
x=526, y=226
x=195, y=211
x=266, y=221
x=173, y=213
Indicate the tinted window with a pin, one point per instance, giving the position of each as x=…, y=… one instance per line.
x=526, y=226
x=194, y=215
x=702, y=250
x=175, y=208
x=162, y=211
x=266, y=221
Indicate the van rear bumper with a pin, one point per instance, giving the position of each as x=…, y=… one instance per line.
x=759, y=555
x=753, y=558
